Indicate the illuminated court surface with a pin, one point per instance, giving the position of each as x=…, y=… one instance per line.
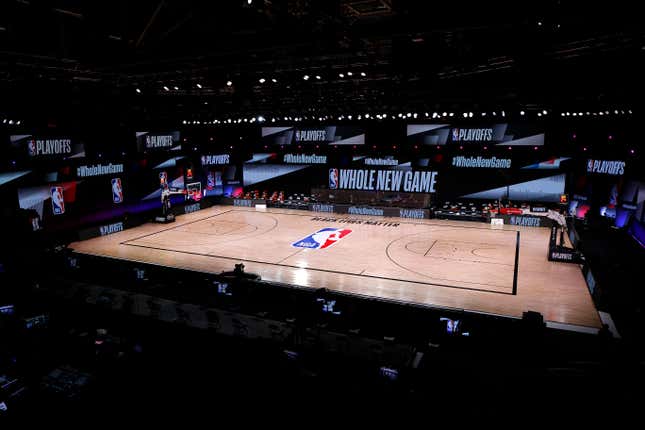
x=460, y=265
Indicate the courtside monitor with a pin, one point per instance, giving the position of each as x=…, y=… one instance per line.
x=451, y=326
x=328, y=306
x=223, y=288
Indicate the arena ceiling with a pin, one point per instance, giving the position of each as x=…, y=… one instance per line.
x=174, y=58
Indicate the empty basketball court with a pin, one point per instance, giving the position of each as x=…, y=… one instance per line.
x=451, y=264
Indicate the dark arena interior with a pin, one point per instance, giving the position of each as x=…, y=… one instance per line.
x=335, y=208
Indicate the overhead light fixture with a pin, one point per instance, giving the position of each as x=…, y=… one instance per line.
x=176, y=88
x=166, y=88
x=262, y=80
x=363, y=74
x=349, y=73
x=522, y=112
x=318, y=77
x=138, y=91
x=274, y=80
x=544, y=112
x=341, y=75
x=199, y=86
x=229, y=83
x=306, y=77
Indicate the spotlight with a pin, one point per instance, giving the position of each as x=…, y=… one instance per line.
x=544, y=112
x=261, y=80
x=470, y=114
x=166, y=88
x=522, y=112
x=18, y=122
x=341, y=75
x=451, y=114
x=199, y=86
x=444, y=114
x=10, y=122
x=318, y=77
x=138, y=91
x=274, y=80
x=363, y=74
x=176, y=88
x=465, y=115
x=306, y=77
x=539, y=113
x=349, y=73
x=229, y=83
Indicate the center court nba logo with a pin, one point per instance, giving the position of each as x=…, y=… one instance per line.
x=58, y=202
x=117, y=190
x=323, y=238
x=333, y=179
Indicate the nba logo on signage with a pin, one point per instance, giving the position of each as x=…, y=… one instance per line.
x=117, y=191
x=210, y=181
x=333, y=179
x=58, y=202
x=455, y=134
x=31, y=147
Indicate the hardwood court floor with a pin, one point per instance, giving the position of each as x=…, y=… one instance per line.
x=453, y=264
